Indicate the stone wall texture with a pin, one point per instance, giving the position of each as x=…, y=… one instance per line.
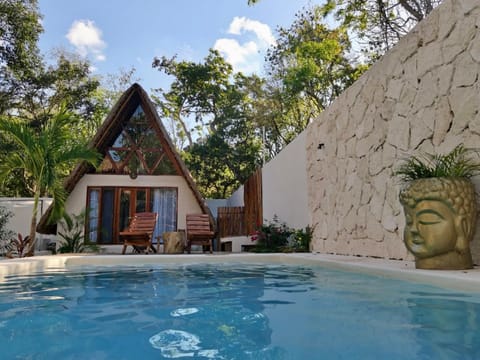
x=423, y=96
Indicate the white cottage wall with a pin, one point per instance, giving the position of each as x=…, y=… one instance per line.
x=187, y=203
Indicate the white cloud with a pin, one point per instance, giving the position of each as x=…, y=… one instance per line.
x=87, y=39
x=246, y=56
x=240, y=25
x=240, y=56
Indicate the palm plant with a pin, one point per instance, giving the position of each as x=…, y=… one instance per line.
x=42, y=157
x=456, y=163
x=73, y=235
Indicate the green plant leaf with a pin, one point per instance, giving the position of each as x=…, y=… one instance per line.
x=457, y=163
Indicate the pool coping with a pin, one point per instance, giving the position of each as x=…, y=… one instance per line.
x=463, y=280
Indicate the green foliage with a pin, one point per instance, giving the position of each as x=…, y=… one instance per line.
x=41, y=157
x=377, y=25
x=6, y=236
x=20, y=28
x=311, y=60
x=456, y=163
x=65, y=87
x=222, y=146
x=276, y=236
x=302, y=239
x=11, y=245
x=18, y=247
x=73, y=236
x=28, y=87
x=307, y=69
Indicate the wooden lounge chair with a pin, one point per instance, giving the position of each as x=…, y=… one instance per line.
x=139, y=232
x=199, y=231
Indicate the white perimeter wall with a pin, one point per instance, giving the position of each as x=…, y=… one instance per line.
x=22, y=209
x=284, y=185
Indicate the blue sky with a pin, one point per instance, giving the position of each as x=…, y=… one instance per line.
x=120, y=34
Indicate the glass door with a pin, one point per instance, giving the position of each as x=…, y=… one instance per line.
x=110, y=211
x=124, y=209
x=107, y=216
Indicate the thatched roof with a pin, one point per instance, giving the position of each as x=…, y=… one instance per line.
x=110, y=130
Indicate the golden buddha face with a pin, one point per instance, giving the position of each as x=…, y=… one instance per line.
x=440, y=216
x=431, y=229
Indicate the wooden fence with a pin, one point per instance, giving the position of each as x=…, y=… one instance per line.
x=243, y=220
x=231, y=221
x=252, y=198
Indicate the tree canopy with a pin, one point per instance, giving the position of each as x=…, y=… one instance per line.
x=224, y=123
x=19, y=54
x=378, y=24
x=209, y=107
x=310, y=64
x=41, y=158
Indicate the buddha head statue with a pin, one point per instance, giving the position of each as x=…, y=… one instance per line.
x=440, y=218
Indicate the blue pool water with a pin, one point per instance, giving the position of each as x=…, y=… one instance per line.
x=232, y=312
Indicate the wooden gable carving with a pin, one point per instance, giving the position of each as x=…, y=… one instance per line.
x=138, y=149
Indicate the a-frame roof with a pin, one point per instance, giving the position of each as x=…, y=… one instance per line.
x=110, y=130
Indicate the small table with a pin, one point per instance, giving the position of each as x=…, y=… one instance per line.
x=173, y=242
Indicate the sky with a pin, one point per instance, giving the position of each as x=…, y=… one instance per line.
x=121, y=34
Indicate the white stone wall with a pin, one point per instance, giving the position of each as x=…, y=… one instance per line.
x=424, y=95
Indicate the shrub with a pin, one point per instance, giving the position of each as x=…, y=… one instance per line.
x=276, y=236
x=456, y=163
x=7, y=237
x=74, y=237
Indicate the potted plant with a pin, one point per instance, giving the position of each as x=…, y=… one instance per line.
x=439, y=203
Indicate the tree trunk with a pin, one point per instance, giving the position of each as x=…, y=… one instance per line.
x=33, y=228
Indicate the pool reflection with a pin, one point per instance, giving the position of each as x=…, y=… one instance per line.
x=446, y=326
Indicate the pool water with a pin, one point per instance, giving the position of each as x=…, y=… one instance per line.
x=232, y=312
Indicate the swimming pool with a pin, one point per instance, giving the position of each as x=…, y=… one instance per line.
x=232, y=311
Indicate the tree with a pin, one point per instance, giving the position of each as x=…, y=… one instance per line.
x=212, y=109
x=113, y=86
x=41, y=156
x=311, y=61
x=280, y=117
x=197, y=91
x=66, y=85
x=309, y=66
x=19, y=55
x=378, y=24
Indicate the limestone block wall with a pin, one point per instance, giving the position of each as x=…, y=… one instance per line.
x=423, y=96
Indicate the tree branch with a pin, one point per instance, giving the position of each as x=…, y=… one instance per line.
x=414, y=12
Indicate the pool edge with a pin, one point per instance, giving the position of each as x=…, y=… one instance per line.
x=465, y=280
